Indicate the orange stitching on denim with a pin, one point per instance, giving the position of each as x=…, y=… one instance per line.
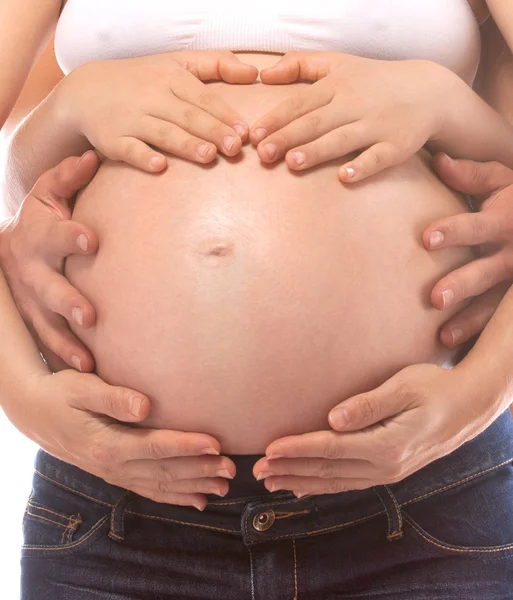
x=113, y=512
x=115, y=535
x=461, y=481
x=295, y=569
x=86, y=537
x=46, y=519
x=473, y=550
x=38, y=507
x=283, y=515
x=71, y=527
x=252, y=577
x=399, y=515
x=156, y=518
x=72, y=490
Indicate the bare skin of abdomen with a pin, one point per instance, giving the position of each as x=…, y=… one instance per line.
x=245, y=300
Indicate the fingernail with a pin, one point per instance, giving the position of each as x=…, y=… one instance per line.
x=264, y=474
x=83, y=156
x=240, y=129
x=348, y=172
x=271, y=456
x=78, y=316
x=199, y=507
x=220, y=493
x=275, y=486
x=135, y=405
x=224, y=473
x=228, y=142
x=203, y=150
x=156, y=161
x=75, y=361
x=271, y=150
x=449, y=159
x=299, y=494
x=299, y=157
x=457, y=334
x=260, y=134
x=448, y=297
x=338, y=418
x=82, y=242
x=209, y=450
x=436, y=238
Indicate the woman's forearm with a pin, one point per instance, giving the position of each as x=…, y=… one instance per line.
x=41, y=141
x=19, y=356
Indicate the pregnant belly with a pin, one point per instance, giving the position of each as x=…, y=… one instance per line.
x=246, y=300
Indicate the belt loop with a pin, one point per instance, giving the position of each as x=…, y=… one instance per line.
x=394, y=516
x=117, y=518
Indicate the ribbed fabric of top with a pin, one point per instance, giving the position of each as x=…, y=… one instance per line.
x=443, y=31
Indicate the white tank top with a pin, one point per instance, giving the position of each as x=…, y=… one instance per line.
x=442, y=31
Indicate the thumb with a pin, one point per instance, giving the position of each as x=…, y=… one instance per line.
x=119, y=403
x=298, y=65
x=470, y=177
x=364, y=410
x=224, y=66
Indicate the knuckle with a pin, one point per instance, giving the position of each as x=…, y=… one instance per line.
x=218, y=130
x=478, y=226
x=331, y=449
x=334, y=486
x=164, y=474
x=129, y=151
x=205, y=99
x=188, y=115
x=327, y=471
x=366, y=409
x=113, y=401
x=152, y=449
x=314, y=123
x=296, y=104
x=162, y=487
x=408, y=393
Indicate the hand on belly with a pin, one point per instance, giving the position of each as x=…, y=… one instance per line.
x=245, y=300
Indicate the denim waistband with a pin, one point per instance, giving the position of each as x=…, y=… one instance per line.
x=248, y=500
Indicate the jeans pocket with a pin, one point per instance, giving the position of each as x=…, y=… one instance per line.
x=474, y=517
x=56, y=518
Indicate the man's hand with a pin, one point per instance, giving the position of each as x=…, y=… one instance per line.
x=422, y=413
x=488, y=277
x=33, y=247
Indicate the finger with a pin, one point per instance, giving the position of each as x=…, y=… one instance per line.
x=316, y=485
x=336, y=143
x=324, y=444
x=469, y=177
x=175, y=140
x=63, y=181
x=63, y=238
x=470, y=280
x=309, y=66
x=467, y=229
x=473, y=318
x=378, y=157
x=59, y=296
x=123, y=404
x=182, y=467
x=195, y=94
x=203, y=125
x=158, y=443
x=302, y=103
x=220, y=66
x=199, y=501
x=205, y=485
x=136, y=153
x=57, y=337
x=315, y=467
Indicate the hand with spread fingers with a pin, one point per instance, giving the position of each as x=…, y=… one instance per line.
x=420, y=414
x=487, y=278
x=387, y=110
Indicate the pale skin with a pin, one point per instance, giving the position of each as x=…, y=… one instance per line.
x=327, y=442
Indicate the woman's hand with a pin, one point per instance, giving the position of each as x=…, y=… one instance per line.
x=123, y=107
x=76, y=417
x=33, y=247
x=422, y=413
x=487, y=278
x=388, y=109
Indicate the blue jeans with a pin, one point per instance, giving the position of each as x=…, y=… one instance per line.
x=445, y=532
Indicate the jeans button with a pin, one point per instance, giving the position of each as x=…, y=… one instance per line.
x=264, y=520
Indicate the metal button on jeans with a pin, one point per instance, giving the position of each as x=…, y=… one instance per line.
x=264, y=520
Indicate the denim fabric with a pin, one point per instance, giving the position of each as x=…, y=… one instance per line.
x=445, y=532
